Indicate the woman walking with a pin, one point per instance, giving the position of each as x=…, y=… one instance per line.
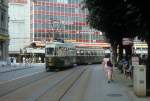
x=105, y=63
x=109, y=71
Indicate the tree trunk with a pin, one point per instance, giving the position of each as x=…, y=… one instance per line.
x=128, y=51
x=120, y=50
x=148, y=70
x=114, y=50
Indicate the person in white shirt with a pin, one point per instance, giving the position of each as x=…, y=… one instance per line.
x=109, y=70
x=105, y=63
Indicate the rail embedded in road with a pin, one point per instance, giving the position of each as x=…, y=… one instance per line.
x=57, y=92
x=55, y=86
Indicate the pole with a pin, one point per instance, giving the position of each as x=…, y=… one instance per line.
x=33, y=20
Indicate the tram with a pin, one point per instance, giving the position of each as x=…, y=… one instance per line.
x=89, y=55
x=59, y=55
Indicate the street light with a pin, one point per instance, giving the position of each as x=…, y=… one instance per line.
x=33, y=9
x=55, y=25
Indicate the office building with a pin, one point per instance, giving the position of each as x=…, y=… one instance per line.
x=65, y=19
x=4, y=37
x=19, y=27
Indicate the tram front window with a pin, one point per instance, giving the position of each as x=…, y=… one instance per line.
x=50, y=51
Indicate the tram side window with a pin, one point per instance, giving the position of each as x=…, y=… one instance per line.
x=97, y=52
x=81, y=52
x=60, y=51
x=50, y=51
x=89, y=53
x=94, y=53
x=74, y=52
x=86, y=53
x=71, y=52
x=101, y=52
x=65, y=51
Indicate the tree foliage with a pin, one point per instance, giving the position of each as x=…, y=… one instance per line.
x=143, y=7
x=116, y=17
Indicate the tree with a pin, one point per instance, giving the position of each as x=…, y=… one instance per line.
x=143, y=7
x=116, y=18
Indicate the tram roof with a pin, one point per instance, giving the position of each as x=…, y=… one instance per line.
x=60, y=44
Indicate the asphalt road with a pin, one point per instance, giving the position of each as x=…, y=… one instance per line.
x=29, y=89
x=13, y=75
x=81, y=83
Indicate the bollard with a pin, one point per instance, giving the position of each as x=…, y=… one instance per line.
x=139, y=81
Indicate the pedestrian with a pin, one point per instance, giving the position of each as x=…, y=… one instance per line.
x=105, y=63
x=11, y=60
x=125, y=67
x=39, y=59
x=23, y=59
x=109, y=70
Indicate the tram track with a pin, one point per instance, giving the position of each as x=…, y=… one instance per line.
x=62, y=87
x=13, y=85
x=78, y=89
x=49, y=85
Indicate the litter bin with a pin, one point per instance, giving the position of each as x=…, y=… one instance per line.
x=139, y=81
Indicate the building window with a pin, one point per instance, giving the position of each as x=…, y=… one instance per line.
x=3, y=19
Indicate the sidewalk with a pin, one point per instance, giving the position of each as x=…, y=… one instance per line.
x=18, y=66
x=128, y=85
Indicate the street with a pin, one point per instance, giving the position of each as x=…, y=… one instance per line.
x=81, y=83
x=13, y=75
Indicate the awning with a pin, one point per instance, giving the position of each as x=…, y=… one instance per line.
x=39, y=44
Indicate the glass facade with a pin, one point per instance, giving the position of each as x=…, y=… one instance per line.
x=65, y=19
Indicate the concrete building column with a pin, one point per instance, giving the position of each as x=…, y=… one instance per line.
x=4, y=50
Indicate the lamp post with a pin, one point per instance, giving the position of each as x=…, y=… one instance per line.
x=33, y=4
x=55, y=26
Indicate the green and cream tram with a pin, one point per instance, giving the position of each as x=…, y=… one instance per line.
x=59, y=55
x=89, y=55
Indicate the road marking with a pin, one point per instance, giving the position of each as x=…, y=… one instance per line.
x=20, y=77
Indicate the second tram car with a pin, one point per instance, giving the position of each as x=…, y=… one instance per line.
x=59, y=55
x=89, y=55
